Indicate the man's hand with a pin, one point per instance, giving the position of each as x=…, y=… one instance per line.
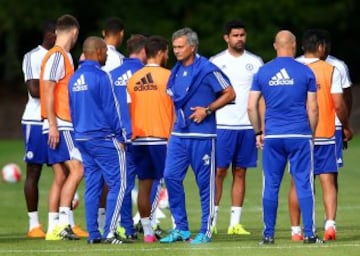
x=54, y=136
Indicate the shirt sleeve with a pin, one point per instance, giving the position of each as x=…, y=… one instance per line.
x=336, y=86
x=344, y=72
x=218, y=81
x=255, y=86
x=54, y=68
x=31, y=66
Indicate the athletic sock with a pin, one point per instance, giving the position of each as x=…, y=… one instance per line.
x=71, y=218
x=215, y=216
x=146, y=224
x=101, y=218
x=64, y=215
x=330, y=223
x=295, y=230
x=33, y=220
x=53, y=220
x=235, y=215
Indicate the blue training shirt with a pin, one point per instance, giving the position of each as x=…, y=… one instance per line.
x=120, y=77
x=195, y=85
x=284, y=84
x=94, y=109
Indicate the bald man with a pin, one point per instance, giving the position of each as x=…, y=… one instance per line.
x=289, y=90
x=98, y=132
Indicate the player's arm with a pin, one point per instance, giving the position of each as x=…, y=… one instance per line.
x=339, y=104
x=226, y=96
x=49, y=93
x=312, y=110
x=33, y=87
x=262, y=109
x=253, y=110
x=342, y=114
x=347, y=94
x=254, y=116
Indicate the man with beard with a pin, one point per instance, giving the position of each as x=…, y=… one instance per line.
x=235, y=144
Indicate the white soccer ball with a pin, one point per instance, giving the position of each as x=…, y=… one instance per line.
x=11, y=173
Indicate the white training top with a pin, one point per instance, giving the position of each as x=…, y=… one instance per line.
x=240, y=70
x=336, y=77
x=31, y=69
x=345, y=77
x=54, y=70
x=114, y=59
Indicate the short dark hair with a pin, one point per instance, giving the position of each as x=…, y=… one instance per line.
x=135, y=43
x=66, y=22
x=49, y=26
x=312, y=38
x=113, y=25
x=233, y=24
x=155, y=44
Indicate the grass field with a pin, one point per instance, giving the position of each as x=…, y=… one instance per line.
x=13, y=219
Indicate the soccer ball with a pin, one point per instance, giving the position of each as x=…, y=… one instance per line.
x=11, y=173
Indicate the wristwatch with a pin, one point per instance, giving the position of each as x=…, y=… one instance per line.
x=208, y=111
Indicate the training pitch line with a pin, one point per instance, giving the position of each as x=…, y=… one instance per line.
x=117, y=248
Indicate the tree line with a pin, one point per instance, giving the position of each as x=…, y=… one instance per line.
x=21, y=23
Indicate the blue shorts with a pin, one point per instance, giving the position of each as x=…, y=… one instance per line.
x=35, y=144
x=236, y=147
x=339, y=146
x=66, y=149
x=149, y=161
x=325, y=159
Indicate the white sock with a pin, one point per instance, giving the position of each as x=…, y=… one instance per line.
x=64, y=213
x=33, y=220
x=235, y=215
x=146, y=223
x=53, y=220
x=153, y=219
x=295, y=230
x=71, y=218
x=213, y=224
x=330, y=223
x=101, y=218
x=173, y=222
x=136, y=218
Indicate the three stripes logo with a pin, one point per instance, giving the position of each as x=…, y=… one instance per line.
x=281, y=78
x=80, y=84
x=123, y=79
x=146, y=83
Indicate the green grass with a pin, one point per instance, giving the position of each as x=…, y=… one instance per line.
x=14, y=223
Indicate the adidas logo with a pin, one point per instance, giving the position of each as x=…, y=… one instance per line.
x=206, y=159
x=145, y=83
x=80, y=84
x=123, y=79
x=281, y=78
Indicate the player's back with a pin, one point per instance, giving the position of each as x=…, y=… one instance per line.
x=284, y=84
x=151, y=107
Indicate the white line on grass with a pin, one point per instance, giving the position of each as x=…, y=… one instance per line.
x=195, y=248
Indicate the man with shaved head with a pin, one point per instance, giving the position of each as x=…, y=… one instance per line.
x=289, y=90
x=100, y=136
